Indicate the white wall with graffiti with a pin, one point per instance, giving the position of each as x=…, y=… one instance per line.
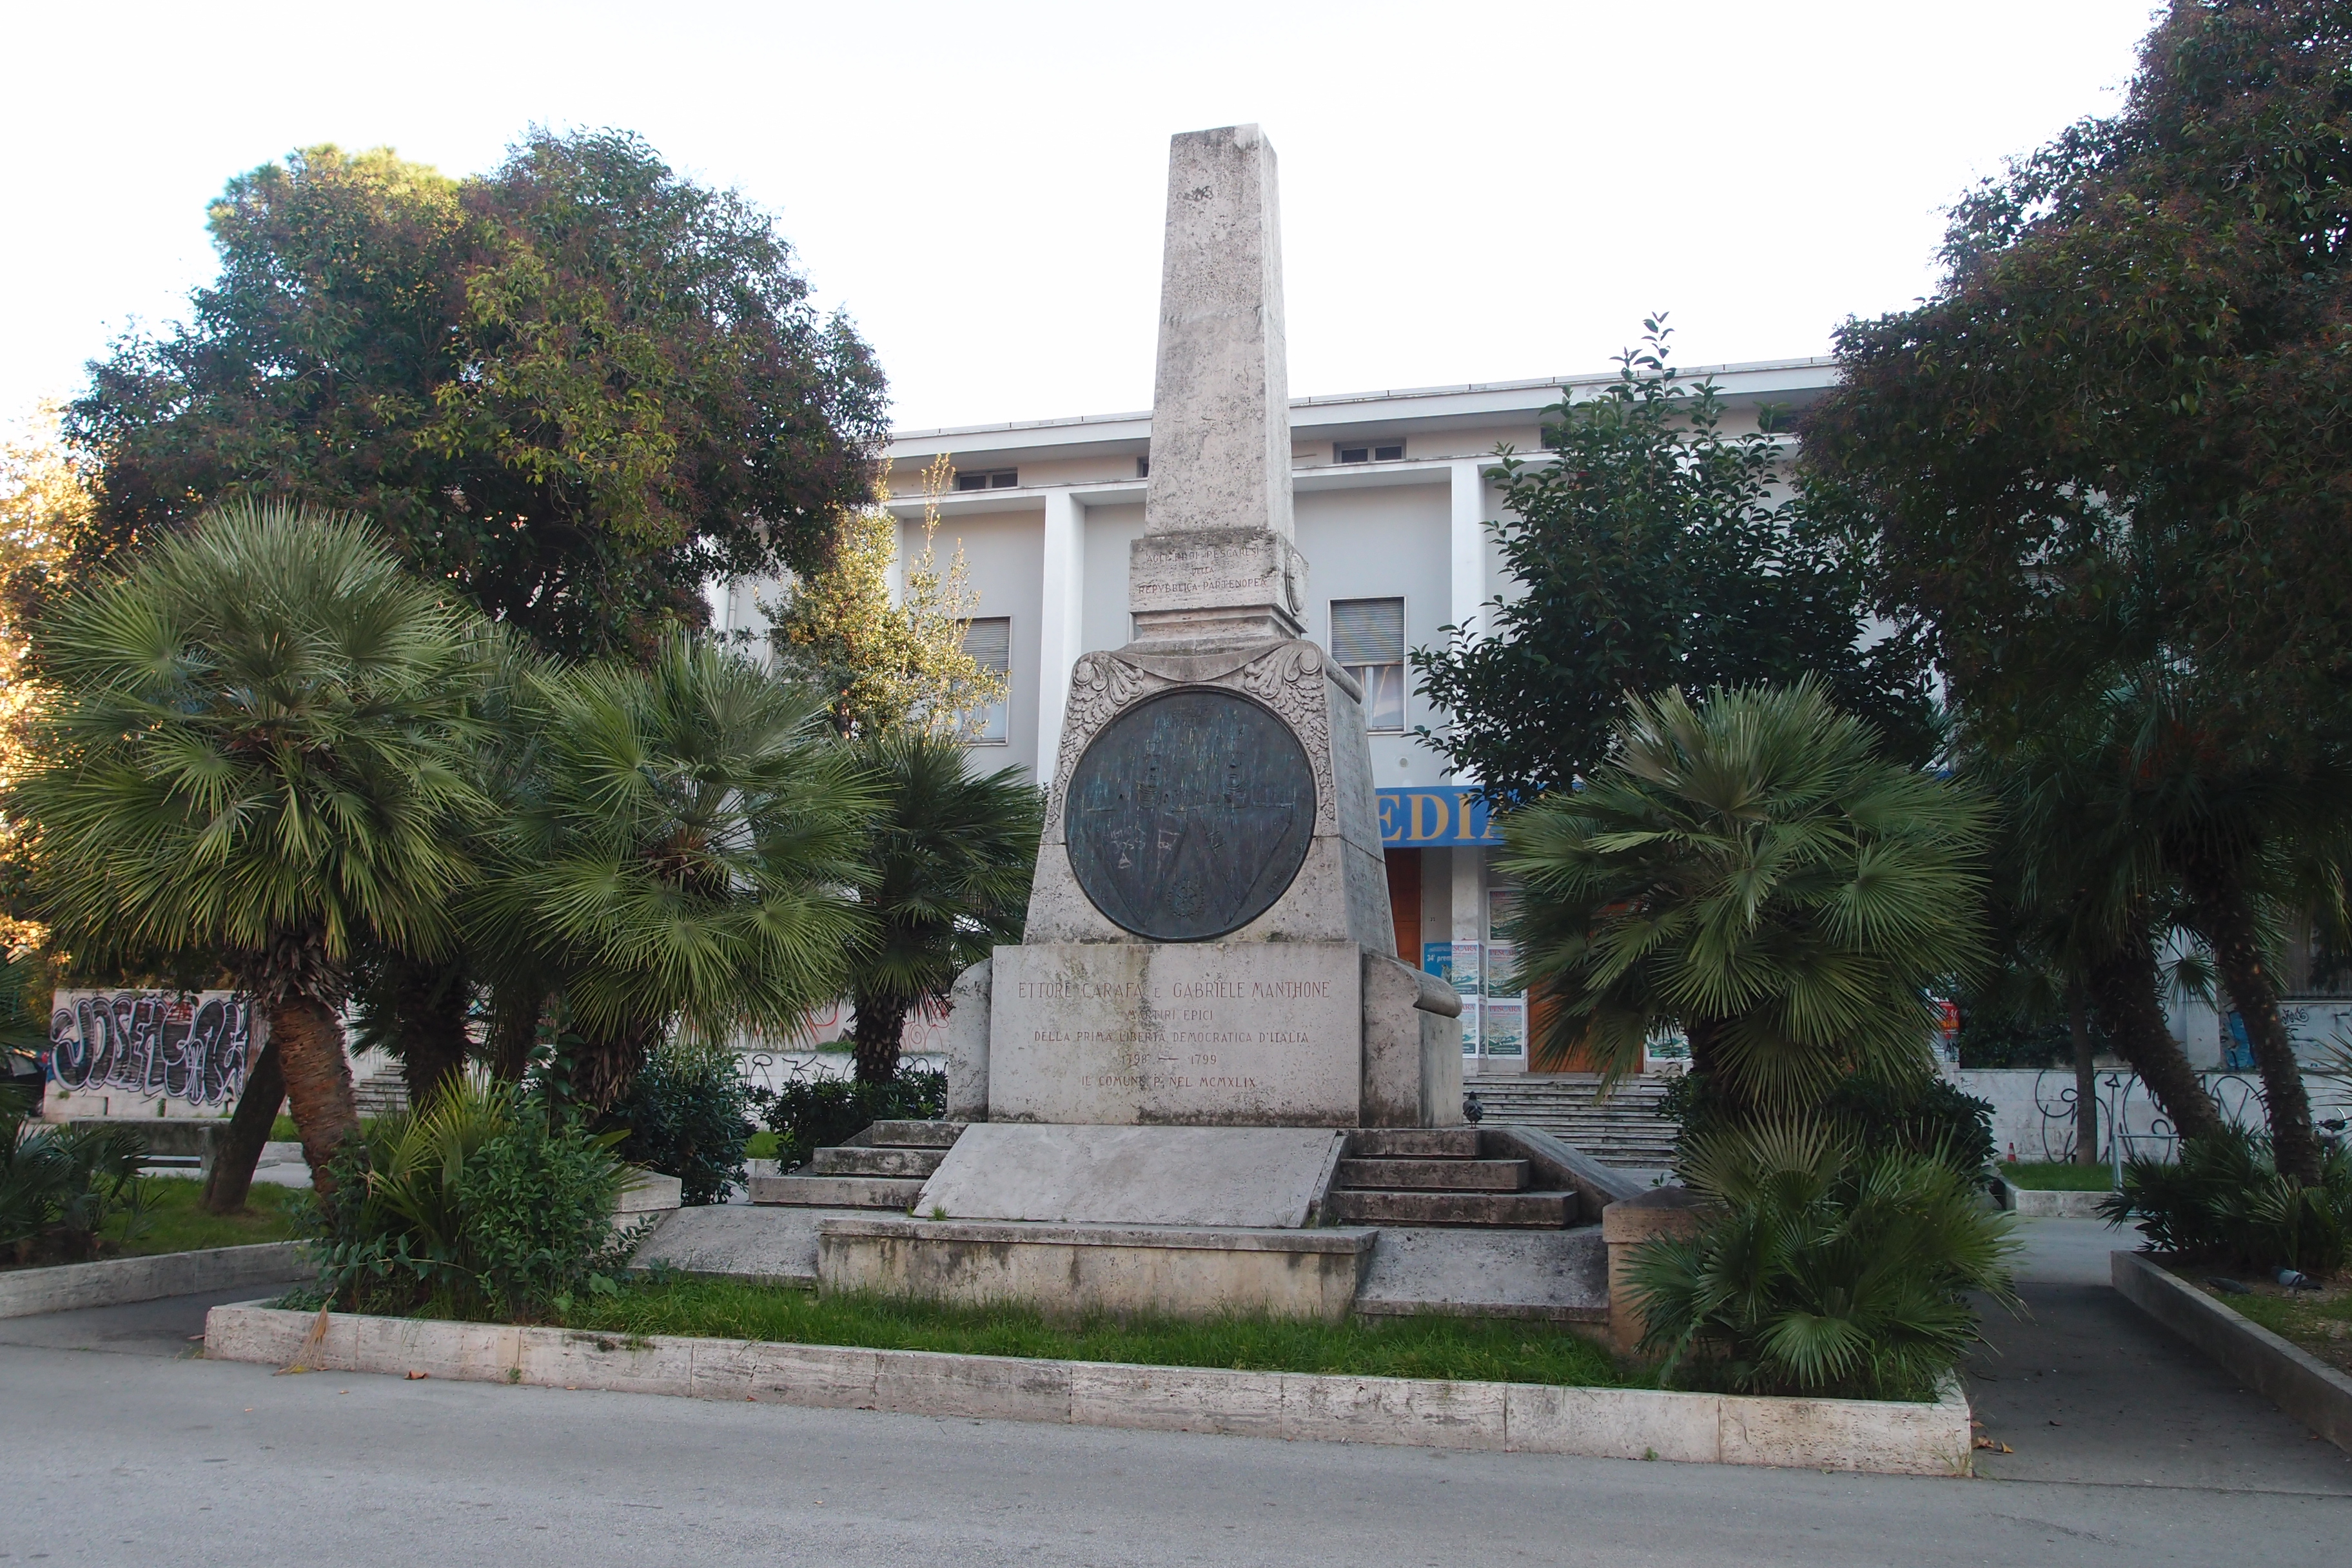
x=149, y=1053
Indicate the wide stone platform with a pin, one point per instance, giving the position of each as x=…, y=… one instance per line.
x=1558, y=1276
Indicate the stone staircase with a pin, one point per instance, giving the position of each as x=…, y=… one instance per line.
x=1420, y=1176
x=382, y=1094
x=1623, y=1129
x=883, y=1167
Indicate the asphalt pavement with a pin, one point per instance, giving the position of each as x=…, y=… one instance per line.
x=129, y=1453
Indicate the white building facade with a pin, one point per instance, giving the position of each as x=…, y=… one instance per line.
x=1393, y=492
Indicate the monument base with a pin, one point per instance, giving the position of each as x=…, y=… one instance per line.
x=1075, y=1270
x=1272, y=1178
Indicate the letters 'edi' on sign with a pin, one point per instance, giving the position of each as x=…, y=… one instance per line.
x=1438, y=814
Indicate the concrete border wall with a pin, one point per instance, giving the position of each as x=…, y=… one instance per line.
x=2291, y=1378
x=1611, y=1423
x=117, y=1281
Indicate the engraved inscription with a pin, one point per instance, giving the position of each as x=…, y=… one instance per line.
x=1225, y=1032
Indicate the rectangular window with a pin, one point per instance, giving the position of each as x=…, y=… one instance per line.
x=996, y=480
x=1142, y=467
x=1367, y=642
x=990, y=644
x=1368, y=452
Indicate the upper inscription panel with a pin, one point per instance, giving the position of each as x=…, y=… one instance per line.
x=1189, y=814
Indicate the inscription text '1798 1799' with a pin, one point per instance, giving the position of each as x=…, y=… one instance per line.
x=1189, y=814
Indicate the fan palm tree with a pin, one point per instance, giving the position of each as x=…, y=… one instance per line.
x=682, y=851
x=255, y=749
x=949, y=861
x=1752, y=870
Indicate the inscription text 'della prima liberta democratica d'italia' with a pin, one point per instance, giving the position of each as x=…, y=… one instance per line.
x=1189, y=814
x=1257, y=1030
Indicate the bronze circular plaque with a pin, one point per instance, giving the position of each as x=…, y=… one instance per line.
x=1189, y=814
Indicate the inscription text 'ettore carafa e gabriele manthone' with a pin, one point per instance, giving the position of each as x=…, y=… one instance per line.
x=1210, y=1033
x=1190, y=814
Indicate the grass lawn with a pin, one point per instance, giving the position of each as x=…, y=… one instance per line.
x=2048, y=1178
x=762, y=1146
x=1486, y=1349
x=2319, y=1322
x=177, y=1225
x=174, y=1222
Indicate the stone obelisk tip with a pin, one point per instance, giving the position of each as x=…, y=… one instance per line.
x=1217, y=520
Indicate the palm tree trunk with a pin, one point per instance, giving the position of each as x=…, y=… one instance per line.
x=2225, y=918
x=310, y=1041
x=249, y=1129
x=2122, y=985
x=607, y=1066
x=2086, y=1076
x=429, y=1006
x=514, y=1029
x=874, y=1037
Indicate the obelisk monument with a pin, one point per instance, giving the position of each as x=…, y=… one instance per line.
x=1209, y=943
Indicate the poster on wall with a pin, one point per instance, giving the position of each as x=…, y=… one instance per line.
x=1469, y=1026
x=1506, y=1024
x=158, y=1045
x=1437, y=958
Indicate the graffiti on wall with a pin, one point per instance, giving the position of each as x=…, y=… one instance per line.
x=160, y=1043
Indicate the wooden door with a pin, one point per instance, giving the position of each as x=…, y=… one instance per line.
x=1404, y=902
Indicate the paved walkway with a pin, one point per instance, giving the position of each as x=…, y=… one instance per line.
x=2090, y=1389
x=2157, y=1458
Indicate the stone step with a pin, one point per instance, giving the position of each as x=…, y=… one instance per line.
x=915, y=1134
x=1414, y=1143
x=850, y=1160
x=1436, y=1175
x=1548, y=1211
x=837, y=1191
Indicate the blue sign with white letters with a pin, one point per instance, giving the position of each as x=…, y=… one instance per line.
x=1437, y=815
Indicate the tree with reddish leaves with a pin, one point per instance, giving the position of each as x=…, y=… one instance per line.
x=2112, y=454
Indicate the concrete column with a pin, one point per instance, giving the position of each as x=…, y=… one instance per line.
x=1469, y=903
x=1468, y=540
x=1060, y=635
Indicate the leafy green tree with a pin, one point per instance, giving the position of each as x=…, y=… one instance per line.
x=949, y=857
x=884, y=661
x=1753, y=870
x=255, y=751
x=1651, y=549
x=2112, y=444
x=681, y=853
x=576, y=387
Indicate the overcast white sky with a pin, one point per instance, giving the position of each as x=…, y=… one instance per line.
x=1471, y=191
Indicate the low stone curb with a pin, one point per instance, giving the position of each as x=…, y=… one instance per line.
x=117, y=1281
x=2291, y=1378
x=1609, y=1423
x=2036, y=1203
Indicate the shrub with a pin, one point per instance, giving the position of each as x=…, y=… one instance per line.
x=1927, y=1115
x=2224, y=1199
x=59, y=1184
x=481, y=1203
x=809, y=1113
x=687, y=1115
x=1829, y=1271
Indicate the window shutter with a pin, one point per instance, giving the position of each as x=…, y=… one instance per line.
x=1368, y=631
x=990, y=643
